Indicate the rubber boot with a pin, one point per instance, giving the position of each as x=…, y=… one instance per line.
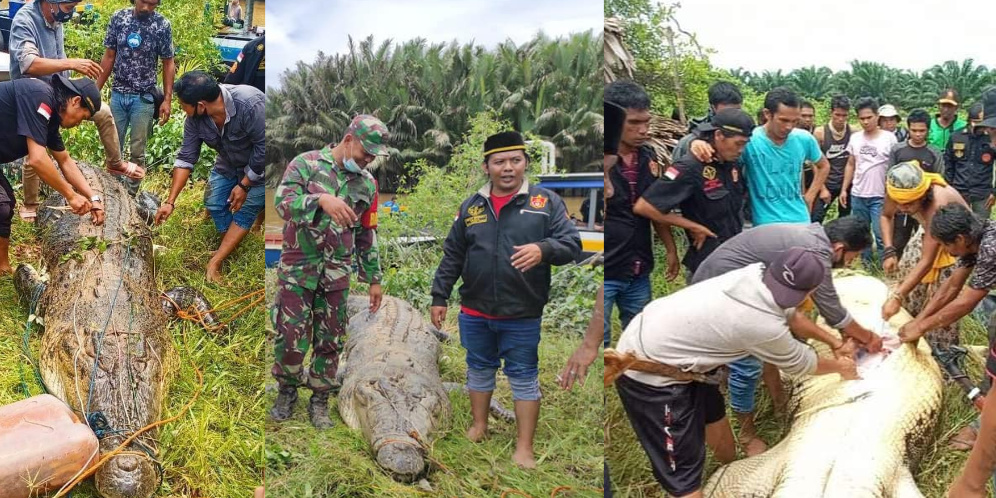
x=318, y=410
x=748, y=438
x=283, y=407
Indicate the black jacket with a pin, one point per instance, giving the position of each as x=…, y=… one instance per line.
x=250, y=67
x=968, y=160
x=628, y=237
x=479, y=249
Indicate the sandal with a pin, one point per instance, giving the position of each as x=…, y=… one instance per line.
x=132, y=171
x=28, y=212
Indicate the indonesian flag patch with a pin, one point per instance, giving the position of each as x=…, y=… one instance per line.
x=671, y=173
x=45, y=110
x=239, y=58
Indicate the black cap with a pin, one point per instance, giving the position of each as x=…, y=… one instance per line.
x=615, y=116
x=85, y=88
x=503, y=142
x=793, y=275
x=989, y=107
x=731, y=120
x=975, y=112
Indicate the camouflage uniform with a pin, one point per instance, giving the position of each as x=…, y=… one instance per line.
x=315, y=263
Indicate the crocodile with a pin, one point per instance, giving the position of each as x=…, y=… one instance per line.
x=391, y=388
x=858, y=438
x=105, y=350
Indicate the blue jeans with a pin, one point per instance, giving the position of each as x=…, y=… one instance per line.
x=133, y=112
x=744, y=374
x=489, y=342
x=631, y=296
x=869, y=208
x=217, y=203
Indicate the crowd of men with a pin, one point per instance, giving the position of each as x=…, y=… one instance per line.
x=41, y=98
x=751, y=201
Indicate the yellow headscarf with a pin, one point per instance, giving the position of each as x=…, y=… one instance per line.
x=905, y=183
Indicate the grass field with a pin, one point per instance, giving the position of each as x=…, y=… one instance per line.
x=303, y=462
x=215, y=450
x=630, y=470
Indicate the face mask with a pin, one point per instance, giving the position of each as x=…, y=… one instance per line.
x=61, y=16
x=350, y=164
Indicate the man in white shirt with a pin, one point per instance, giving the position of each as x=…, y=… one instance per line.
x=699, y=329
x=864, y=175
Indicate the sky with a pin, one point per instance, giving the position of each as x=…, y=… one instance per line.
x=909, y=34
x=293, y=34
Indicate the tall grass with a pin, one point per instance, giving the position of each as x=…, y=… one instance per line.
x=216, y=449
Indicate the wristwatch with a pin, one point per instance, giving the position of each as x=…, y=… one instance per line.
x=243, y=187
x=95, y=198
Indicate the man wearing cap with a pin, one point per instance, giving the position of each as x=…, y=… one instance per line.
x=722, y=95
x=137, y=38
x=925, y=265
x=504, y=240
x=629, y=256
x=37, y=50
x=969, y=159
x=888, y=120
x=930, y=159
x=837, y=243
x=673, y=418
x=31, y=113
x=710, y=195
x=328, y=201
x=973, y=242
x=946, y=122
x=231, y=120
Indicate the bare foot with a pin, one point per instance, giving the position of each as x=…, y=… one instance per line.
x=214, y=273
x=964, y=440
x=476, y=434
x=755, y=446
x=524, y=459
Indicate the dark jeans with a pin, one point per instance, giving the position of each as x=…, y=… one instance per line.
x=820, y=208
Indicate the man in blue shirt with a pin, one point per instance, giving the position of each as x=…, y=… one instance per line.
x=773, y=162
x=135, y=41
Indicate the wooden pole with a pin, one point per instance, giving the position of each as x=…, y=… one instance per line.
x=674, y=74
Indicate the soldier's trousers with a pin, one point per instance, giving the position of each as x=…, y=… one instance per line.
x=305, y=318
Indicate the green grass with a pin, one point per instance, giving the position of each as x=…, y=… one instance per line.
x=216, y=449
x=303, y=462
x=630, y=470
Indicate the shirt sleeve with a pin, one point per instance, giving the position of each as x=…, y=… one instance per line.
x=828, y=302
x=23, y=50
x=293, y=200
x=563, y=243
x=984, y=276
x=111, y=38
x=677, y=184
x=257, y=133
x=788, y=354
x=166, y=43
x=190, y=149
x=813, y=152
x=34, y=113
x=451, y=266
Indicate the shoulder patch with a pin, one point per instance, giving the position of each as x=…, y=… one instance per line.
x=45, y=110
x=671, y=173
x=655, y=168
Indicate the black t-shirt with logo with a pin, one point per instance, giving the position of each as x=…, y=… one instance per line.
x=969, y=160
x=27, y=110
x=711, y=195
x=929, y=158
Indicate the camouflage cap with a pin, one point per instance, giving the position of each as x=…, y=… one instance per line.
x=371, y=132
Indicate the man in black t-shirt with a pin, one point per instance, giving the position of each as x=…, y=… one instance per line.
x=710, y=196
x=31, y=113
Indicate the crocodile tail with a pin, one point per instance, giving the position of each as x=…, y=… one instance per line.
x=751, y=477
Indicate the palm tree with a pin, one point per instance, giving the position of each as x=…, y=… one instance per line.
x=967, y=78
x=812, y=81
